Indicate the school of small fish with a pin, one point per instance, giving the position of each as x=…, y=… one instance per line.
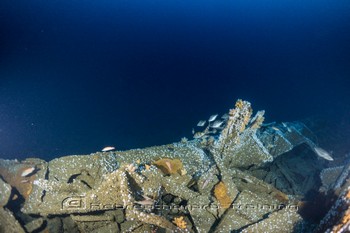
x=213, y=126
x=219, y=124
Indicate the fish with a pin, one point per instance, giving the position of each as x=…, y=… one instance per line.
x=28, y=171
x=286, y=126
x=202, y=134
x=217, y=124
x=14, y=197
x=322, y=153
x=146, y=201
x=108, y=148
x=199, y=135
x=201, y=123
x=268, y=124
x=206, y=182
x=275, y=128
x=225, y=116
x=213, y=117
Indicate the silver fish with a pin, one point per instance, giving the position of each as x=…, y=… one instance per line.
x=213, y=117
x=225, y=116
x=199, y=135
x=108, y=148
x=201, y=123
x=322, y=153
x=28, y=172
x=146, y=201
x=217, y=124
x=202, y=134
x=206, y=182
x=286, y=126
x=275, y=128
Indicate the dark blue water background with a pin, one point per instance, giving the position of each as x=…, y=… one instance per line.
x=76, y=76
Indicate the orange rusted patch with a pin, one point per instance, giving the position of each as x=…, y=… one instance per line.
x=169, y=166
x=220, y=193
x=239, y=104
x=280, y=196
x=14, y=178
x=345, y=219
x=348, y=195
x=180, y=222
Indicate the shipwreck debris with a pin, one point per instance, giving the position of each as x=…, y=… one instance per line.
x=237, y=175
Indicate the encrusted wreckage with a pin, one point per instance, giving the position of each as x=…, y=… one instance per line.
x=244, y=176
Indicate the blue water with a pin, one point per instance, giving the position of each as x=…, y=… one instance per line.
x=76, y=76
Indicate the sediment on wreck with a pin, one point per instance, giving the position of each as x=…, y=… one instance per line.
x=243, y=176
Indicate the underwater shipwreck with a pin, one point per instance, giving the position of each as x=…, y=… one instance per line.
x=238, y=174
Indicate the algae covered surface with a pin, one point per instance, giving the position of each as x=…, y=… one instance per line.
x=242, y=176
